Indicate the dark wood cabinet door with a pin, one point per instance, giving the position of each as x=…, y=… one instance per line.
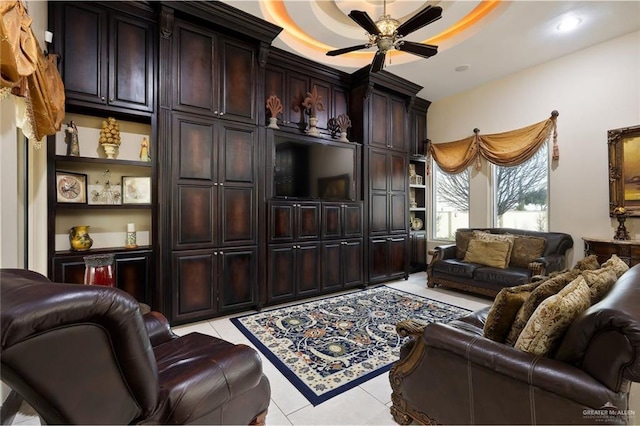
x=194, y=160
x=194, y=278
x=281, y=222
x=352, y=262
x=399, y=138
x=131, y=63
x=237, y=278
x=332, y=220
x=379, y=170
x=281, y=278
x=238, y=163
x=339, y=102
x=418, y=251
x=378, y=259
x=378, y=213
x=133, y=274
x=194, y=78
x=297, y=86
x=68, y=269
x=81, y=39
x=397, y=172
x=379, y=120
x=352, y=220
x=238, y=81
x=308, y=269
x=308, y=221
x=398, y=212
x=398, y=258
x=418, y=133
x=331, y=265
x=239, y=217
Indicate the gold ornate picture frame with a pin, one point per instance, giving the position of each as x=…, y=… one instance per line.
x=624, y=170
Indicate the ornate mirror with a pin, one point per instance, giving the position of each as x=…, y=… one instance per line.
x=624, y=171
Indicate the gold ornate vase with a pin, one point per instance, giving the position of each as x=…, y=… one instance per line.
x=79, y=238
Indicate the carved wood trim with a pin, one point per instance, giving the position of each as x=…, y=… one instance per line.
x=460, y=286
x=166, y=22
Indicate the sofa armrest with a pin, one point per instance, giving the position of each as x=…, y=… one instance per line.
x=549, y=374
x=447, y=251
x=551, y=263
x=158, y=328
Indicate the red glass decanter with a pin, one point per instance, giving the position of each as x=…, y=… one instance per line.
x=99, y=270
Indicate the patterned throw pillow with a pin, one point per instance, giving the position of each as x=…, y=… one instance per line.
x=504, y=309
x=462, y=242
x=526, y=249
x=546, y=289
x=487, y=236
x=588, y=263
x=551, y=319
x=600, y=282
x=618, y=265
x=488, y=253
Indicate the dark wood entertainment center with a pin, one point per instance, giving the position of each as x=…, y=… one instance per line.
x=197, y=76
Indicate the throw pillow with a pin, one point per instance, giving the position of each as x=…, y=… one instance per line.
x=504, y=309
x=487, y=236
x=546, y=289
x=600, y=282
x=618, y=265
x=551, y=319
x=588, y=263
x=526, y=249
x=462, y=242
x=488, y=253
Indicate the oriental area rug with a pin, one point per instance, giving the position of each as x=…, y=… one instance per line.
x=331, y=345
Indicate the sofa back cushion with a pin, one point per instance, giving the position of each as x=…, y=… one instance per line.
x=526, y=249
x=504, y=309
x=462, y=242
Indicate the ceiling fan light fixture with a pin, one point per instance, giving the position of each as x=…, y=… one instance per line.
x=387, y=25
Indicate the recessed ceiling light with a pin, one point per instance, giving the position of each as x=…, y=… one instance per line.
x=461, y=68
x=569, y=23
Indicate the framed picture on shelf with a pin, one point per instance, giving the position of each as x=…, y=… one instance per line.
x=71, y=187
x=136, y=190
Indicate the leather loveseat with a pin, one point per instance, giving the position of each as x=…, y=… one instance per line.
x=448, y=268
x=82, y=354
x=451, y=374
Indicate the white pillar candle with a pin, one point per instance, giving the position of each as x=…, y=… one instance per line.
x=131, y=227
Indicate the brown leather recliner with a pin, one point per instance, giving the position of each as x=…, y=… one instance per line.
x=86, y=355
x=451, y=374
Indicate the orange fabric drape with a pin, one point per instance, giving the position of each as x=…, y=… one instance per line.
x=504, y=149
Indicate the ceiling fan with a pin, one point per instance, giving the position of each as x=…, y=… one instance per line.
x=386, y=33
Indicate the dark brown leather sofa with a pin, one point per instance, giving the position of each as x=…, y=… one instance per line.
x=86, y=355
x=451, y=374
x=445, y=269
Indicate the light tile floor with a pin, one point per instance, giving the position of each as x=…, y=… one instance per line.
x=367, y=404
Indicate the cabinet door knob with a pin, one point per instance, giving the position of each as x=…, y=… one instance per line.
x=102, y=98
x=221, y=253
x=110, y=99
x=221, y=183
x=215, y=112
x=221, y=114
x=215, y=183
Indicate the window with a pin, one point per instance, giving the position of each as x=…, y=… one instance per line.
x=451, y=203
x=521, y=193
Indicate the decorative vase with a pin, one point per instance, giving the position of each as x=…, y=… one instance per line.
x=313, y=130
x=79, y=238
x=99, y=270
x=273, y=123
x=343, y=137
x=110, y=149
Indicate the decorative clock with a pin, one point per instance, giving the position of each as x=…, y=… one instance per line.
x=71, y=187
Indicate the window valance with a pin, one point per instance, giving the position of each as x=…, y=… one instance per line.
x=503, y=149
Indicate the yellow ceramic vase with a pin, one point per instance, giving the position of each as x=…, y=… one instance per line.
x=79, y=238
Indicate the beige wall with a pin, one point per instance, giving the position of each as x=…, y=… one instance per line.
x=594, y=90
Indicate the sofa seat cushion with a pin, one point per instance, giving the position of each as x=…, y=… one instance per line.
x=225, y=371
x=455, y=267
x=504, y=277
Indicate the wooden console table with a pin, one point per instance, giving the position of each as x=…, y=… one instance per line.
x=627, y=250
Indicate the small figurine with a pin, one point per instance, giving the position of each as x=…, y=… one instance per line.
x=144, y=151
x=71, y=139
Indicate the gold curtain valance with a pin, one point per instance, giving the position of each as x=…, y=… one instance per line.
x=503, y=149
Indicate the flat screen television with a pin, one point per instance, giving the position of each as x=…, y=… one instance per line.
x=313, y=170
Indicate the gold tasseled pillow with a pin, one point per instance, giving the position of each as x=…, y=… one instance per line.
x=488, y=253
x=588, y=263
x=546, y=289
x=504, y=309
x=552, y=317
x=600, y=282
x=462, y=243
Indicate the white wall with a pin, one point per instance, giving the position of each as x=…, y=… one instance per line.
x=594, y=90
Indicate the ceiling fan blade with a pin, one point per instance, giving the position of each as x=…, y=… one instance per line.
x=347, y=49
x=426, y=16
x=378, y=62
x=424, y=50
x=364, y=20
